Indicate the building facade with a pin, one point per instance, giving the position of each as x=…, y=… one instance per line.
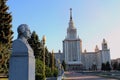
x=73, y=56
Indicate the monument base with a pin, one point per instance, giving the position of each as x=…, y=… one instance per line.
x=19, y=68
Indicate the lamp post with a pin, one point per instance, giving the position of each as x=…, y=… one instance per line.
x=44, y=40
x=52, y=60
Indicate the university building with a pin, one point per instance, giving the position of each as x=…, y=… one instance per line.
x=73, y=56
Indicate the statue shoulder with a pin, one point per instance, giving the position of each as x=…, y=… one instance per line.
x=19, y=45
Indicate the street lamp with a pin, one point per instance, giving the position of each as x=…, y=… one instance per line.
x=43, y=41
x=52, y=60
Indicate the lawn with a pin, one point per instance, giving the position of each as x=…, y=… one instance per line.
x=3, y=78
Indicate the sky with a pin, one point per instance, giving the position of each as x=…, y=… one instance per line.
x=94, y=20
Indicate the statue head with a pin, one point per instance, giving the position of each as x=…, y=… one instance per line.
x=24, y=31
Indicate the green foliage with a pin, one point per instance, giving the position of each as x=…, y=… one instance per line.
x=53, y=61
x=36, y=45
x=55, y=73
x=4, y=58
x=64, y=65
x=106, y=66
x=47, y=57
x=38, y=48
x=48, y=72
x=118, y=67
x=53, y=67
x=39, y=70
x=5, y=24
x=50, y=60
x=39, y=66
x=115, y=66
x=5, y=36
x=103, y=67
x=39, y=76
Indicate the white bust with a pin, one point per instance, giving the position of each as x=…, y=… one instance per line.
x=22, y=61
x=24, y=32
x=21, y=44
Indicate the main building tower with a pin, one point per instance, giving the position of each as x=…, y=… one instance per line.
x=72, y=47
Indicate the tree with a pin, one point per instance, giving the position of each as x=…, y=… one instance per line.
x=47, y=57
x=48, y=71
x=39, y=70
x=38, y=48
x=118, y=67
x=115, y=65
x=53, y=61
x=103, y=67
x=5, y=24
x=5, y=36
x=108, y=67
x=55, y=74
x=36, y=45
x=4, y=58
x=64, y=65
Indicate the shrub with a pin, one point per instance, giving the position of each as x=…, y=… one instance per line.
x=48, y=72
x=55, y=73
x=39, y=70
x=39, y=76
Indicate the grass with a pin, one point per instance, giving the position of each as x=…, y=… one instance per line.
x=3, y=78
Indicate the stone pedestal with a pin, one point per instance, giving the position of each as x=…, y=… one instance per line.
x=22, y=62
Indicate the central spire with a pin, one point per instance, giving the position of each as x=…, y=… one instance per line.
x=70, y=13
x=71, y=24
x=71, y=30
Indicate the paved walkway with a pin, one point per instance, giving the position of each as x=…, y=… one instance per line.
x=82, y=76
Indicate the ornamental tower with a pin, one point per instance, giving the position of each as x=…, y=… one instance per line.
x=96, y=48
x=105, y=52
x=71, y=30
x=72, y=47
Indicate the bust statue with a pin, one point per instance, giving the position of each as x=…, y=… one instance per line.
x=21, y=44
x=24, y=32
x=22, y=60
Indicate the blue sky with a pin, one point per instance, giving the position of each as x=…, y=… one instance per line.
x=94, y=20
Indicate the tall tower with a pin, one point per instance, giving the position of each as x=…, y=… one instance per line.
x=72, y=47
x=105, y=53
x=104, y=45
x=96, y=48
